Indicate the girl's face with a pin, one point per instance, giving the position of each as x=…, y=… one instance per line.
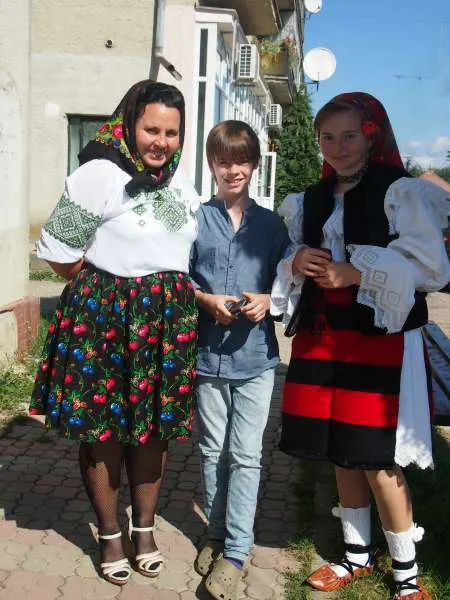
x=158, y=134
x=233, y=178
x=342, y=142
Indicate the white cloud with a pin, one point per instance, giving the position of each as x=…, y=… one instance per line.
x=414, y=144
x=426, y=161
x=441, y=143
x=428, y=154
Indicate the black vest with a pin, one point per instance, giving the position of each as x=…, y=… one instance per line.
x=365, y=222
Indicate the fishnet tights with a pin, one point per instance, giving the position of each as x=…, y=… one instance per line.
x=100, y=467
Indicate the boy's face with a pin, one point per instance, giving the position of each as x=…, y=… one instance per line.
x=233, y=178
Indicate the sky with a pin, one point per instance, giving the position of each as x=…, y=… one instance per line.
x=399, y=51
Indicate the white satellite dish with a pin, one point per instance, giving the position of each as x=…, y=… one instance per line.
x=319, y=64
x=313, y=6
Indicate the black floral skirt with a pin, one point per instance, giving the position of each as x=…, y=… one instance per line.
x=119, y=359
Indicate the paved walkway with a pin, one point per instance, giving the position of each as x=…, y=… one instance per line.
x=48, y=549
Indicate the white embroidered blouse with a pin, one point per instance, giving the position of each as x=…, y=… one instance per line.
x=416, y=260
x=126, y=236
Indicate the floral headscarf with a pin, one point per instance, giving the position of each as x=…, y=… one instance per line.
x=375, y=126
x=116, y=139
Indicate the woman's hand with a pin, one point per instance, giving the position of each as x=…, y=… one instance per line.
x=215, y=305
x=67, y=270
x=338, y=275
x=310, y=262
x=257, y=307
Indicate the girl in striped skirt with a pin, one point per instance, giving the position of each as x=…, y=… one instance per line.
x=366, y=247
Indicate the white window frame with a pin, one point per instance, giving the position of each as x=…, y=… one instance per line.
x=209, y=81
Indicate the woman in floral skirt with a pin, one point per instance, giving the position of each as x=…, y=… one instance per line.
x=118, y=364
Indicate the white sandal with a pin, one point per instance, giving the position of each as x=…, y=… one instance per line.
x=117, y=572
x=148, y=564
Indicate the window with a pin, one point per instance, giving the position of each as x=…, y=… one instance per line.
x=201, y=108
x=81, y=130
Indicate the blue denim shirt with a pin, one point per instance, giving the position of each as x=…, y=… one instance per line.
x=227, y=262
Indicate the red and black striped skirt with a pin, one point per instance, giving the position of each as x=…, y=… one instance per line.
x=341, y=396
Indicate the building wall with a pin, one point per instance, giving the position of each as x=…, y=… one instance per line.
x=14, y=77
x=179, y=49
x=19, y=313
x=73, y=72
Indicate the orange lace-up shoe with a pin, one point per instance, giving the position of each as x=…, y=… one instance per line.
x=418, y=592
x=326, y=580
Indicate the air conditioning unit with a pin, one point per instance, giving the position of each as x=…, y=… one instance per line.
x=275, y=115
x=248, y=63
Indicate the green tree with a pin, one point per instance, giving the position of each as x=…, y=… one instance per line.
x=298, y=162
x=443, y=172
x=412, y=167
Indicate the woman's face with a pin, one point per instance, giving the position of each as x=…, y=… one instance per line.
x=342, y=142
x=158, y=134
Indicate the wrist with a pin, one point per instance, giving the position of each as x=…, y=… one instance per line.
x=202, y=298
x=295, y=268
x=356, y=276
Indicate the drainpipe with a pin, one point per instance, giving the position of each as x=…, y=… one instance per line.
x=158, y=57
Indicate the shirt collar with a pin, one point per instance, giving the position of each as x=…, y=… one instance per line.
x=248, y=212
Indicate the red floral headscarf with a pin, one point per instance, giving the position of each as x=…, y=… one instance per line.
x=375, y=125
x=116, y=139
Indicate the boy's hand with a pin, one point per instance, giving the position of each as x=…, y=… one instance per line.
x=215, y=305
x=310, y=262
x=338, y=275
x=258, y=305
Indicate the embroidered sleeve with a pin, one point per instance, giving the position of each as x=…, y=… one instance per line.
x=417, y=212
x=71, y=224
x=78, y=213
x=416, y=260
x=387, y=284
x=287, y=288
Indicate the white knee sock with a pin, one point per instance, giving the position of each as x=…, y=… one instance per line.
x=402, y=549
x=356, y=528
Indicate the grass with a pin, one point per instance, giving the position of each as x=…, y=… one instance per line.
x=302, y=547
x=17, y=377
x=430, y=492
x=45, y=276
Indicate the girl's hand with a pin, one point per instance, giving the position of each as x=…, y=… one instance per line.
x=310, y=262
x=257, y=307
x=338, y=275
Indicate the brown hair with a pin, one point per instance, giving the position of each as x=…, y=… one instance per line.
x=233, y=140
x=331, y=108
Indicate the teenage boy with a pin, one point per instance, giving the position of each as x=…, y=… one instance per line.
x=234, y=260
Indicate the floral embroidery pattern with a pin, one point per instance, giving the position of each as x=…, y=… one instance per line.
x=111, y=133
x=167, y=208
x=71, y=224
x=119, y=359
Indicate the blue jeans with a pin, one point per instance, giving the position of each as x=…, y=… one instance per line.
x=232, y=415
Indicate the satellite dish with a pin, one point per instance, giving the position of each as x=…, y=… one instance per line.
x=313, y=6
x=319, y=64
